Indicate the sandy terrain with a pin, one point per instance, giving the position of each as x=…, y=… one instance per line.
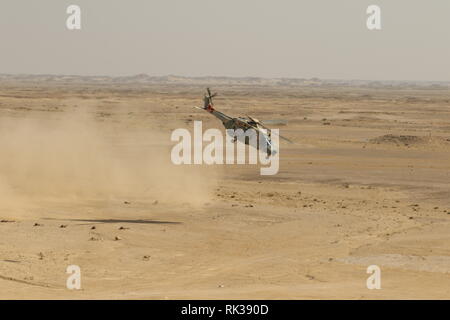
x=86, y=179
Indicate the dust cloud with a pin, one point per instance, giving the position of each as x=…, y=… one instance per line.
x=73, y=158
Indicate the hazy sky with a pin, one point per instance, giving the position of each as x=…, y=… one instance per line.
x=264, y=38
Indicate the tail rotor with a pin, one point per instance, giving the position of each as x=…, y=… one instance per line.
x=210, y=96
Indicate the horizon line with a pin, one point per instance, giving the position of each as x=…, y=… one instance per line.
x=217, y=77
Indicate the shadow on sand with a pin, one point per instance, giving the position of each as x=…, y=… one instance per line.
x=139, y=221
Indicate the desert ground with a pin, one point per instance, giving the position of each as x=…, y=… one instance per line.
x=86, y=179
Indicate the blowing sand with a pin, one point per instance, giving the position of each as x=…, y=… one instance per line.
x=86, y=179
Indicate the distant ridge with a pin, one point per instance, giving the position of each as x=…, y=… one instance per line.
x=215, y=80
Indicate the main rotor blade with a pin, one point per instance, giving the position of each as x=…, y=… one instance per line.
x=284, y=138
x=262, y=125
x=274, y=122
x=210, y=96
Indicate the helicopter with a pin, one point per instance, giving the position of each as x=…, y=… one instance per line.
x=264, y=133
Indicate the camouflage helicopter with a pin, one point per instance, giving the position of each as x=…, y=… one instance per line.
x=241, y=123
